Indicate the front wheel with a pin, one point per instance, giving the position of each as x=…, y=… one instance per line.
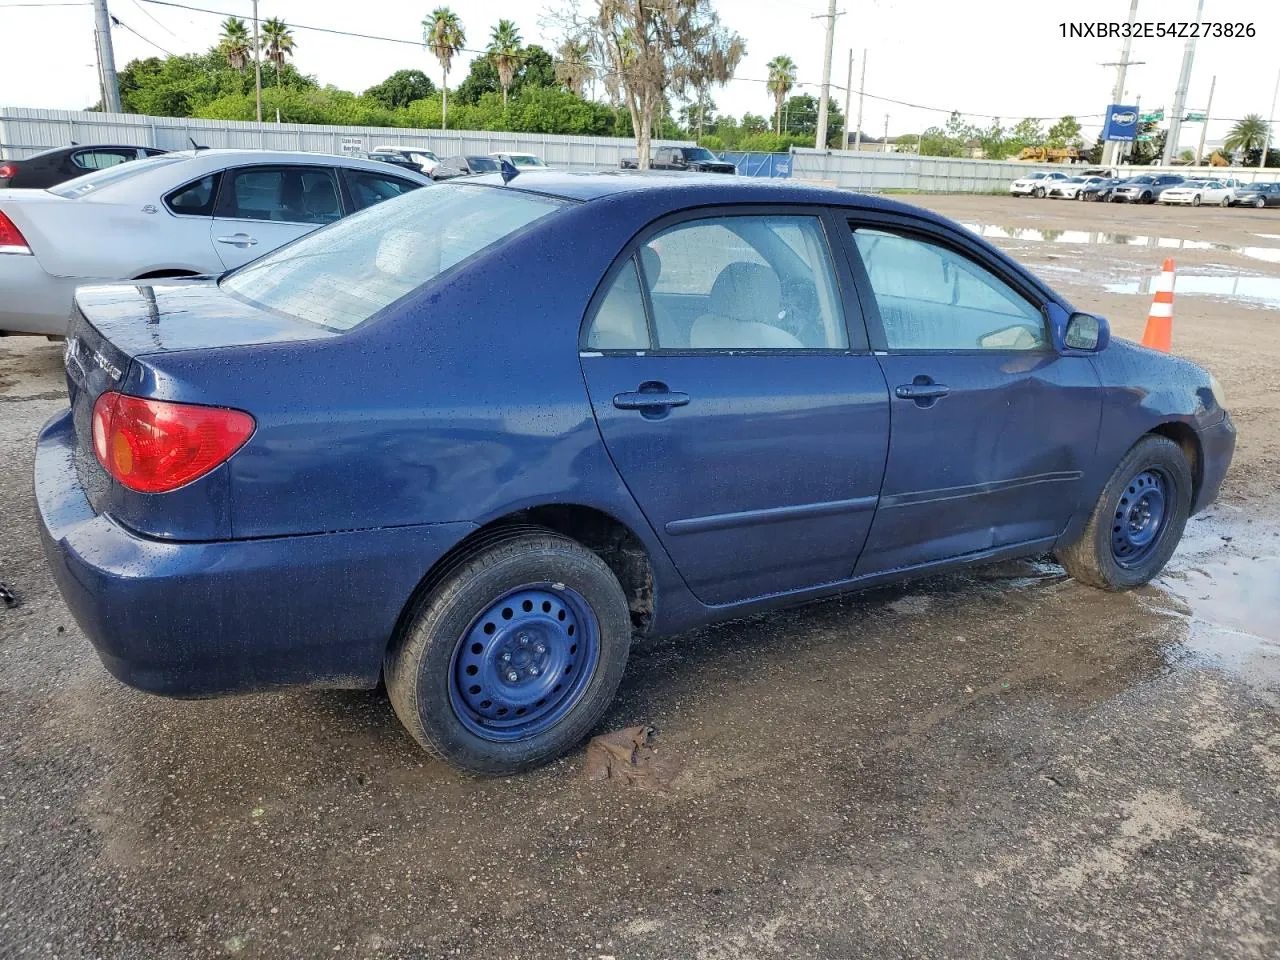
x=1195, y=201
x=1138, y=519
x=1039, y=193
x=514, y=655
x=1146, y=198
x=1260, y=202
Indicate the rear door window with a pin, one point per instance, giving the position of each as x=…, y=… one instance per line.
x=303, y=194
x=101, y=159
x=195, y=199
x=367, y=188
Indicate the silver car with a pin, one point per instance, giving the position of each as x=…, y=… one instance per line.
x=180, y=214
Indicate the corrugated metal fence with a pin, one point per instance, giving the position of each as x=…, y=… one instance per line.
x=760, y=164
x=26, y=131
x=875, y=172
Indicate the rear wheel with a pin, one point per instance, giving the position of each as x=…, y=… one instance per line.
x=1224, y=202
x=1138, y=519
x=514, y=655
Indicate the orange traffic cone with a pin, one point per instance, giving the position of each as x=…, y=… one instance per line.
x=1159, y=332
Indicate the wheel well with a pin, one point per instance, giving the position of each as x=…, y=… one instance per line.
x=165, y=274
x=611, y=540
x=1186, y=438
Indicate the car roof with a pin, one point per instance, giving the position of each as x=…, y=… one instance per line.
x=72, y=148
x=681, y=189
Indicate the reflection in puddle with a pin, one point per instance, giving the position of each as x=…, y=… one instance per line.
x=991, y=231
x=1264, y=290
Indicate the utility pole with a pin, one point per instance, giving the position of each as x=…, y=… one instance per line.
x=862, y=85
x=1117, y=94
x=848, y=92
x=257, y=62
x=1271, y=118
x=884, y=144
x=1180, y=95
x=821, y=139
x=106, y=58
x=1205, y=125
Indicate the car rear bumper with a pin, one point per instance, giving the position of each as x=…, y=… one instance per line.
x=31, y=300
x=191, y=619
x=1217, y=446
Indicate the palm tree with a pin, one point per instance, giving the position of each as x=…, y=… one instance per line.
x=277, y=43
x=782, y=77
x=505, y=50
x=1247, y=135
x=442, y=34
x=573, y=68
x=234, y=43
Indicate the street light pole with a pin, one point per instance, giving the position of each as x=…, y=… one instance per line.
x=862, y=85
x=1180, y=95
x=848, y=92
x=257, y=63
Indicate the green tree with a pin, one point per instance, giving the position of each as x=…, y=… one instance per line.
x=754, y=123
x=235, y=43
x=801, y=119
x=505, y=49
x=401, y=89
x=1065, y=133
x=1247, y=135
x=443, y=35
x=573, y=65
x=782, y=77
x=277, y=43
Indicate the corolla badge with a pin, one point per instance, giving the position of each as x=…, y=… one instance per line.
x=1124, y=119
x=74, y=355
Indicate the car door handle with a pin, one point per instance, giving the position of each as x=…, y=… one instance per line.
x=921, y=391
x=239, y=240
x=650, y=400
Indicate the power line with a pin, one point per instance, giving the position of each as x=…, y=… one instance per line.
x=116, y=21
x=81, y=3
x=150, y=16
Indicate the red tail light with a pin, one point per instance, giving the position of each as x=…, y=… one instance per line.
x=7, y=170
x=11, y=238
x=154, y=446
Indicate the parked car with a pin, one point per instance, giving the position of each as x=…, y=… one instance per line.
x=464, y=167
x=394, y=159
x=425, y=160
x=1144, y=188
x=1100, y=191
x=1257, y=195
x=180, y=214
x=692, y=159
x=437, y=442
x=1070, y=188
x=52, y=167
x=1036, y=184
x=1196, y=192
x=521, y=161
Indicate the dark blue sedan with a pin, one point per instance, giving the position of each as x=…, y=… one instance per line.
x=476, y=438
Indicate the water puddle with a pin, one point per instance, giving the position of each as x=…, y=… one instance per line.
x=994, y=232
x=1227, y=588
x=1262, y=290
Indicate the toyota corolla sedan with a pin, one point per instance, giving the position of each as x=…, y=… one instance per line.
x=1196, y=192
x=475, y=439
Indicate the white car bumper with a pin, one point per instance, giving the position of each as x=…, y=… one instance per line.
x=31, y=300
x=1164, y=199
x=1023, y=189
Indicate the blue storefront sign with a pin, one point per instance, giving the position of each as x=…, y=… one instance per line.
x=1121, y=122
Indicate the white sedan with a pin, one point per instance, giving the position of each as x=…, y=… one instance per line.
x=1196, y=192
x=1070, y=188
x=1035, y=184
x=177, y=215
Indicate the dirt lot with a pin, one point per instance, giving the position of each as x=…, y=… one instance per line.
x=1004, y=764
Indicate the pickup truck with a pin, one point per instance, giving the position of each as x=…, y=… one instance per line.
x=698, y=159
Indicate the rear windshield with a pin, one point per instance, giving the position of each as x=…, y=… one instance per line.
x=95, y=181
x=343, y=274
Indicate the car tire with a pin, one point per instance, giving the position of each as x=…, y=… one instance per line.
x=1146, y=198
x=1039, y=193
x=529, y=604
x=1224, y=202
x=1138, y=519
x=1195, y=200
x=1260, y=203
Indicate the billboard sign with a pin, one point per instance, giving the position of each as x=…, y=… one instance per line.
x=1121, y=123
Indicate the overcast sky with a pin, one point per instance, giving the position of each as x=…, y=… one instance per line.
x=1001, y=57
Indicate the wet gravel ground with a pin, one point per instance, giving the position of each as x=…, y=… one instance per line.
x=1001, y=764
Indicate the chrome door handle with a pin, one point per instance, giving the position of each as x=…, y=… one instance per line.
x=239, y=240
x=650, y=401
x=921, y=391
